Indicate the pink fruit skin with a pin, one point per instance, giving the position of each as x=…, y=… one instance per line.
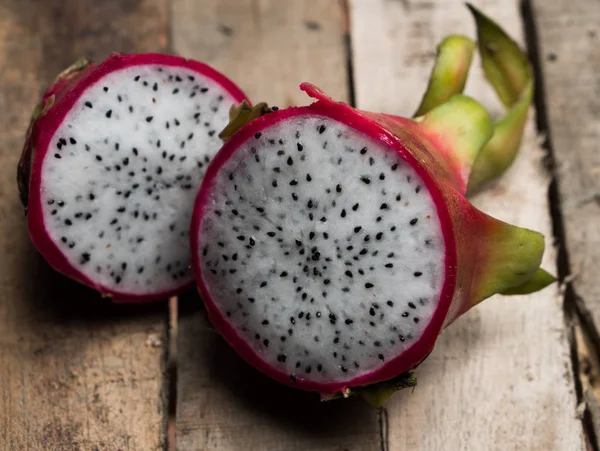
x=466, y=231
x=66, y=92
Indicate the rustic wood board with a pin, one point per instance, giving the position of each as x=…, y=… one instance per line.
x=269, y=48
x=76, y=373
x=568, y=34
x=500, y=377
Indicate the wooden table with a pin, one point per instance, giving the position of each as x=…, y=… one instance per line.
x=513, y=374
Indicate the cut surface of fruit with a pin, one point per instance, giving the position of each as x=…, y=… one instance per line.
x=118, y=162
x=323, y=248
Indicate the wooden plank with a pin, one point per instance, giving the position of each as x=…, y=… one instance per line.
x=570, y=58
x=75, y=372
x=500, y=377
x=568, y=34
x=268, y=47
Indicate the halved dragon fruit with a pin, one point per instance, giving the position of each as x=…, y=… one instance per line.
x=331, y=245
x=113, y=161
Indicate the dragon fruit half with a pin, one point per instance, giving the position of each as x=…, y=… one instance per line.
x=113, y=161
x=331, y=245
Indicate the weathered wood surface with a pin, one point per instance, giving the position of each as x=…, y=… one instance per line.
x=75, y=373
x=569, y=33
x=500, y=377
x=269, y=48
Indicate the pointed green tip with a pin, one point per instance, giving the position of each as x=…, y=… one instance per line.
x=504, y=64
x=513, y=256
x=540, y=280
x=502, y=149
x=449, y=73
x=507, y=69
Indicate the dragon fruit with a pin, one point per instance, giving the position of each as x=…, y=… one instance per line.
x=112, y=163
x=331, y=246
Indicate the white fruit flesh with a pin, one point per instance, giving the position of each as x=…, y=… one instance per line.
x=322, y=248
x=122, y=171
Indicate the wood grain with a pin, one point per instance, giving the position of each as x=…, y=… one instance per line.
x=500, y=377
x=268, y=47
x=569, y=33
x=76, y=373
x=568, y=36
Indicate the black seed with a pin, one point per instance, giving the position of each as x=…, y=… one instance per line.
x=343, y=213
x=321, y=129
x=368, y=285
x=290, y=161
x=338, y=188
x=98, y=157
x=283, y=274
x=257, y=135
x=381, y=357
x=68, y=222
x=405, y=314
x=85, y=257
x=383, y=206
x=389, y=265
x=418, y=274
x=413, y=221
x=379, y=236
x=416, y=320
x=274, y=183
x=57, y=156
x=366, y=180
x=266, y=342
x=149, y=119
x=394, y=167
x=281, y=357
x=109, y=113
x=344, y=369
x=88, y=104
x=349, y=321
x=412, y=305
